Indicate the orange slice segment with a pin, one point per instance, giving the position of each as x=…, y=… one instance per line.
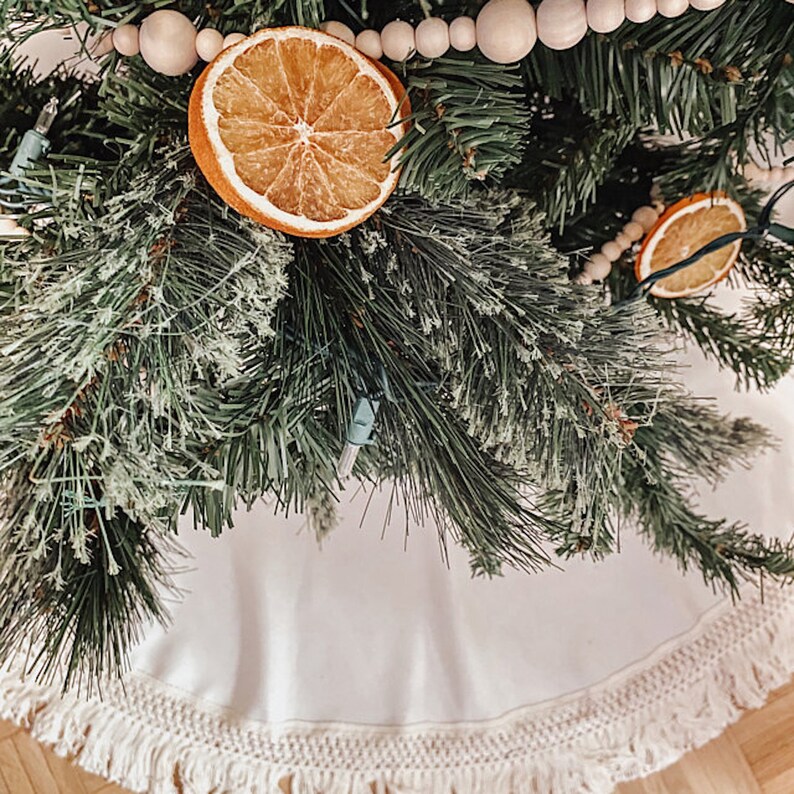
x=292, y=126
x=681, y=230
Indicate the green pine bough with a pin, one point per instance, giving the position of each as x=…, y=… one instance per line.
x=159, y=353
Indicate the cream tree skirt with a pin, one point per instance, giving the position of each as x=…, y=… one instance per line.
x=369, y=663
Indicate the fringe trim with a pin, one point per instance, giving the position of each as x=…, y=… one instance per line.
x=149, y=739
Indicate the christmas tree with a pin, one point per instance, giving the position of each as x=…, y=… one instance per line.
x=162, y=352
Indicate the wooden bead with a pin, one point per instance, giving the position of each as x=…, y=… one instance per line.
x=168, y=42
x=339, y=30
x=432, y=37
x=232, y=38
x=604, y=16
x=463, y=34
x=658, y=207
x=622, y=241
x=209, y=43
x=633, y=231
x=672, y=8
x=506, y=30
x=125, y=40
x=646, y=217
x=611, y=251
x=397, y=40
x=598, y=267
x=561, y=23
x=368, y=42
x=706, y=5
x=753, y=172
x=640, y=10
x=7, y=225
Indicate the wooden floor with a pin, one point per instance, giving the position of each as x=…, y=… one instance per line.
x=755, y=756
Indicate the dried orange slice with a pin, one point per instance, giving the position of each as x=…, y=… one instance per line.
x=291, y=126
x=681, y=230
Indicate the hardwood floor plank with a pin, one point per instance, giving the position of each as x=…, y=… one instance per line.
x=7, y=729
x=647, y=785
x=14, y=773
x=66, y=775
x=35, y=763
x=718, y=768
x=95, y=784
x=782, y=784
x=766, y=738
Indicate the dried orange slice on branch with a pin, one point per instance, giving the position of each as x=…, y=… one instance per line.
x=292, y=126
x=684, y=228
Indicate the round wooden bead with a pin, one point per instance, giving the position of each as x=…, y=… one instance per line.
x=232, y=38
x=101, y=44
x=598, y=267
x=641, y=10
x=645, y=216
x=368, y=42
x=397, y=40
x=604, y=16
x=622, y=241
x=9, y=228
x=706, y=5
x=432, y=37
x=168, y=42
x=611, y=251
x=209, y=43
x=658, y=207
x=506, y=30
x=633, y=231
x=463, y=34
x=340, y=30
x=7, y=225
x=561, y=23
x=672, y=8
x=752, y=171
x=125, y=40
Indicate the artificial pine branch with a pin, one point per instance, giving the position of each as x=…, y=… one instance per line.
x=468, y=122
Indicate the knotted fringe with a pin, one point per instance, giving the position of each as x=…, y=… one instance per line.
x=636, y=723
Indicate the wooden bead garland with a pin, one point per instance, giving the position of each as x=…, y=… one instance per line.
x=368, y=42
x=672, y=8
x=505, y=31
x=168, y=42
x=432, y=37
x=777, y=173
x=340, y=30
x=232, y=38
x=604, y=16
x=641, y=10
x=397, y=40
x=562, y=23
x=125, y=40
x=209, y=43
x=599, y=265
x=706, y=5
x=463, y=34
